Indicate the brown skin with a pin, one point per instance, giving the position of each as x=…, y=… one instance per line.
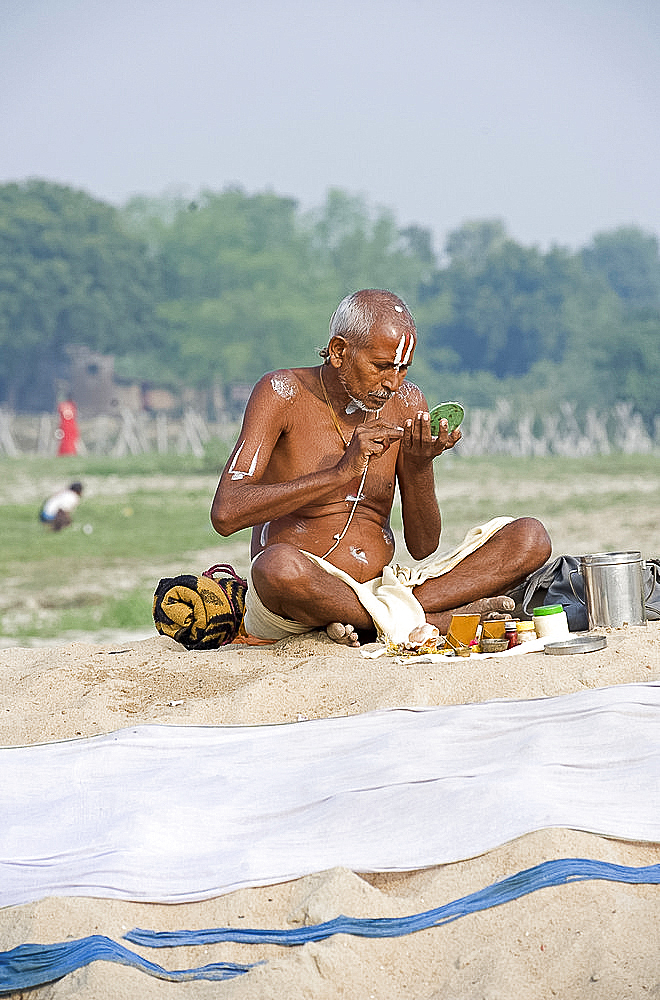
x=291, y=478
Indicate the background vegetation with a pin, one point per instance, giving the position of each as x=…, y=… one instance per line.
x=556, y=354
x=222, y=288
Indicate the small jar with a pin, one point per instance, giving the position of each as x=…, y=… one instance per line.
x=511, y=632
x=526, y=631
x=550, y=621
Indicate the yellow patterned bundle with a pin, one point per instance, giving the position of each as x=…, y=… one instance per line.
x=201, y=612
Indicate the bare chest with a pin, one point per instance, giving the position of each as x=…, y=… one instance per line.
x=313, y=441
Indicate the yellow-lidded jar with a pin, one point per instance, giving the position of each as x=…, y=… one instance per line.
x=526, y=631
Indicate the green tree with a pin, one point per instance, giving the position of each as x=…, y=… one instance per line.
x=250, y=283
x=506, y=302
x=629, y=260
x=626, y=359
x=69, y=274
x=364, y=248
x=242, y=289
x=472, y=243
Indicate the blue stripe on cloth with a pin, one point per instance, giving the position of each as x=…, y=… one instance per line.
x=31, y=965
x=549, y=873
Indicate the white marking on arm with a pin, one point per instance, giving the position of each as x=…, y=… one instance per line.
x=233, y=461
x=253, y=464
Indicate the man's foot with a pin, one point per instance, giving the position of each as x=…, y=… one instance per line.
x=488, y=607
x=345, y=635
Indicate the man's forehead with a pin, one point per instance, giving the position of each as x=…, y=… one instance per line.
x=394, y=343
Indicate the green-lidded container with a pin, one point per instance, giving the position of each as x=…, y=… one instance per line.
x=550, y=621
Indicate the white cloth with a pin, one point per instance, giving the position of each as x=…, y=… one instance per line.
x=66, y=500
x=389, y=598
x=441, y=562
x=174, y=813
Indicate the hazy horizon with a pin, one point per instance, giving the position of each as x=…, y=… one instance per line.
x=542, y=114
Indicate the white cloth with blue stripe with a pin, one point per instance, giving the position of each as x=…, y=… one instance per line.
x=174, y=813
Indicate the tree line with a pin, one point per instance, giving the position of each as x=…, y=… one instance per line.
x=218, y=290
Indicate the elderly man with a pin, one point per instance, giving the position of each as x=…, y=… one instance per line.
x=314, y=472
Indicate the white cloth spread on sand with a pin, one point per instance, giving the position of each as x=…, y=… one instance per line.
x=389, y=599
x=174, y=813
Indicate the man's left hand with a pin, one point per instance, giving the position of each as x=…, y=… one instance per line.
x=418, y=443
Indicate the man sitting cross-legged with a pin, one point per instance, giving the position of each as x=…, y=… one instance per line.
x=314, y=471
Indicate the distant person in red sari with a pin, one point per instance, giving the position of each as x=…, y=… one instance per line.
x=68, y=433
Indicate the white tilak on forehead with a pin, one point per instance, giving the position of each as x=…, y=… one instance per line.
x=405, y=344
x=399, y=350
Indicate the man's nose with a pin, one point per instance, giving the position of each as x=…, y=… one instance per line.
x=392, y=380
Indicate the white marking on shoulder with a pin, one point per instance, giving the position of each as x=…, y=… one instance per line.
x=358, y=554
x=284, y=385
x=406, y=391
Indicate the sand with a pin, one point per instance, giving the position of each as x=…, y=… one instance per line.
x=591, y=939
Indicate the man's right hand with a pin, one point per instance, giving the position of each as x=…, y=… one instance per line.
x=368, y=439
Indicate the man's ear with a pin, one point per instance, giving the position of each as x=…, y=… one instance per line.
x=337, y=351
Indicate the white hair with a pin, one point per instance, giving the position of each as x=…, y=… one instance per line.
x=356, y=314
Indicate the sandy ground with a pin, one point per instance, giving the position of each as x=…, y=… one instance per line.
x=591, y=939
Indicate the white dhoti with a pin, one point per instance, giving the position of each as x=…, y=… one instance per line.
x=388, y=598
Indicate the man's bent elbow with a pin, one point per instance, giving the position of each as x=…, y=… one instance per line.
x=224, y=523
x=422, y=548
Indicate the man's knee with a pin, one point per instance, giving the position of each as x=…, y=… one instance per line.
x=62, y=520
x=533, y=539
x=278, y=576
x=280, y=566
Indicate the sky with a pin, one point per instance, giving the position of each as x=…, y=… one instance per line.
x=542, y=113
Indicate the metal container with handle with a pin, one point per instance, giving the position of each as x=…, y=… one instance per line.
x=614, y=589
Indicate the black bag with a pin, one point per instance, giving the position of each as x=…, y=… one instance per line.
x=560, y=581
x=652, y=589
